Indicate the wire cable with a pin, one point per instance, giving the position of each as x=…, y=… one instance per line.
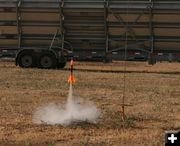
x=125, y=61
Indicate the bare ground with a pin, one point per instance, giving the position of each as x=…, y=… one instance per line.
x=152, y=91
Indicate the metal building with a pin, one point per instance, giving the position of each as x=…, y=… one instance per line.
x=94, y=28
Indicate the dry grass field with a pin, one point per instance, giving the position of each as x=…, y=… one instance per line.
x=152, y=91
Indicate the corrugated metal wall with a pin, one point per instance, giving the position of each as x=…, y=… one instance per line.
x=92, y=26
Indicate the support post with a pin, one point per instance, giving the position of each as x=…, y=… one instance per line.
x=18, y=22
x=151, y=58
x=62, y=23
x=151, y=15
x=106, y=30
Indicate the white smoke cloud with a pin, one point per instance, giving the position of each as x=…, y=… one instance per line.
x=70, y=113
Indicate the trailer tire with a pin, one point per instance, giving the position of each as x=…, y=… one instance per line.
x=47, y=61
x=26, y=60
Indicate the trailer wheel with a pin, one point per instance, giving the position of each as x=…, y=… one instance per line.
x=47, y=61
x=61, y=65
x=26, y=60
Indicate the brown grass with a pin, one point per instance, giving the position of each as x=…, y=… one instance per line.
x=153, y=91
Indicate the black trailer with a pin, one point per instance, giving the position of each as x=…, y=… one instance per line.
x=93, y=28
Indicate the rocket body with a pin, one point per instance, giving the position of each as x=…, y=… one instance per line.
x=71, y=79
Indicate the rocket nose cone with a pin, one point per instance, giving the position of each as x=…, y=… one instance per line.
x=71, y=62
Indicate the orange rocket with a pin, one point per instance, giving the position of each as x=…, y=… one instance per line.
x=71, y=79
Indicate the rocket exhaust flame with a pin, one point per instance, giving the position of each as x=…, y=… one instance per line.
x=71, y=79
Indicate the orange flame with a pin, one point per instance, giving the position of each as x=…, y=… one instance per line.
x=71, y=79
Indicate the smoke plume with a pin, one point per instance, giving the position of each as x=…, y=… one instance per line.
x=71, y=112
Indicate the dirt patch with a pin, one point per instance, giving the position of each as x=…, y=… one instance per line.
x=154, y=97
